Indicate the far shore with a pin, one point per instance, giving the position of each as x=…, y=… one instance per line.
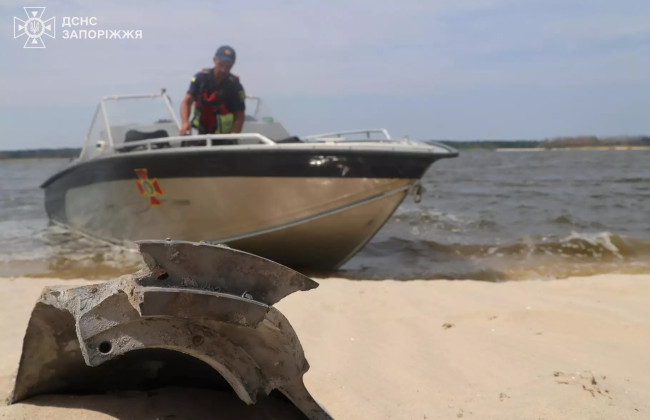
x=543, y=149
x=22, y=159
x=561, y=349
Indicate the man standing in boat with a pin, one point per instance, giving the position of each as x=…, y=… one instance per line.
x=218, y=98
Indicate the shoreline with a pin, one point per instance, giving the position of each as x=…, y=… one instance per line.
x=22, y=159
x=574, y=348
x=559, y=149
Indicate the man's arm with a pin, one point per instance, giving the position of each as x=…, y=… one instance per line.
x=186, y=105
x=239, y=121
x=237, y=104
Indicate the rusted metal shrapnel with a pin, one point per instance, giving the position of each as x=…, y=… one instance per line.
x=195, y=300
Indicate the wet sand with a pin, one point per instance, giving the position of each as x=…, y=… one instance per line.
x=575, y=348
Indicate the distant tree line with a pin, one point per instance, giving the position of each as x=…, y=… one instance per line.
x=556, y=143
x=593, y=141
x=491, y=144
x=65, y=153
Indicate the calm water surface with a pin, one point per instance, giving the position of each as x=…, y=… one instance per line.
x=484, y=215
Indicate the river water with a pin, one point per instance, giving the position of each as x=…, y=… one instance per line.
x=484, y=215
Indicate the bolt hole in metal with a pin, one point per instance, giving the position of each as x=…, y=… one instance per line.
x=105, y=347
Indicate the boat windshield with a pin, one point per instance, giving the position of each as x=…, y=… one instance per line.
x=120, y=119
x=138, y=111
x=260, y=119
x=258, y=110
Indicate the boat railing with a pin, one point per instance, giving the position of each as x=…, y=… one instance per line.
x=369, y=135
x=202, y=140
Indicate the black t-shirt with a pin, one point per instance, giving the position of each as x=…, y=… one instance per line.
x=212, y=99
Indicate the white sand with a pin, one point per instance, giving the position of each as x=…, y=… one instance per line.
x=577, y=348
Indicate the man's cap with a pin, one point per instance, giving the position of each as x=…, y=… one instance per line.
x=225, y=53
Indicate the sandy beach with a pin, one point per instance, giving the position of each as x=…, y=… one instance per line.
x=575, y=348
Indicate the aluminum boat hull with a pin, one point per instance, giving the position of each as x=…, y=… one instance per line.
x=302, y=206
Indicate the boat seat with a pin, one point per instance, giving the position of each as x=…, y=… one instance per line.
x=136, y=135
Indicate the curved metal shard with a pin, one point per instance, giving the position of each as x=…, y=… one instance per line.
x=217, y=267
x=79, y=339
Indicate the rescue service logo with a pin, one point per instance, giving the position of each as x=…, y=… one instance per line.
x=148, y=187
x=71, y=28
x=34, y=27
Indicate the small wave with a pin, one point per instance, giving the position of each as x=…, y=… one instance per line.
x=431, y=218
x=62, y=253
x=563, y=220
x=529, y=257
x=595, y=245
x=633, y=180
x=583, y=245
x=484, y=224
x=566, y=220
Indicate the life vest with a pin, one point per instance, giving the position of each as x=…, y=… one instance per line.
x=209, y=112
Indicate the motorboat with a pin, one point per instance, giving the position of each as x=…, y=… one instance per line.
x=308, y=203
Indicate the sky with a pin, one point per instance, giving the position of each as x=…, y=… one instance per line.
x=436, y=69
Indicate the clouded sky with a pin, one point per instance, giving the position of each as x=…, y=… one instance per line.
x=437, y=69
